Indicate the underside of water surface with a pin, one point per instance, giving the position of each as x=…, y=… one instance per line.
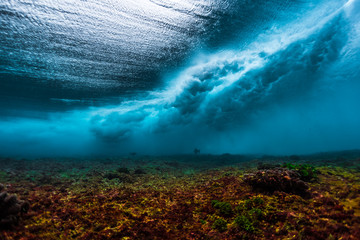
x=160, y=119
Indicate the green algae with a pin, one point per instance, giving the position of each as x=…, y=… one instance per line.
x=244, y=223
x=307, y=172
x=223, y=207
x=220, y=225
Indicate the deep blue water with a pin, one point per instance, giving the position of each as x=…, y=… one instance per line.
x=163, y=76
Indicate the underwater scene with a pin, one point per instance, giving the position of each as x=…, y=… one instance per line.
x=192, y=119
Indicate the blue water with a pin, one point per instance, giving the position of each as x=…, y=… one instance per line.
x=161, y=77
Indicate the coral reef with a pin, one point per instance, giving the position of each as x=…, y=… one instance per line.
x=73, y=199
x=10, y=209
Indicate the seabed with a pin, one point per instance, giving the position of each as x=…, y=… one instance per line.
x=185, y=197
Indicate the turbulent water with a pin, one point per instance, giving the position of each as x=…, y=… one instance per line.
x=162, y=76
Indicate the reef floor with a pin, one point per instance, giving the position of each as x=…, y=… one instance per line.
x=185, y=197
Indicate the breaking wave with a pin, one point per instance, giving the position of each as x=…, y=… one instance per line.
x=224, y=90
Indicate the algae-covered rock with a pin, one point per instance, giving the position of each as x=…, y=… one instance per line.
x=306, y=171
x=278, y=179
x=11, y=208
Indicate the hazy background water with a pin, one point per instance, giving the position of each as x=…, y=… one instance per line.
x=110, y=77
